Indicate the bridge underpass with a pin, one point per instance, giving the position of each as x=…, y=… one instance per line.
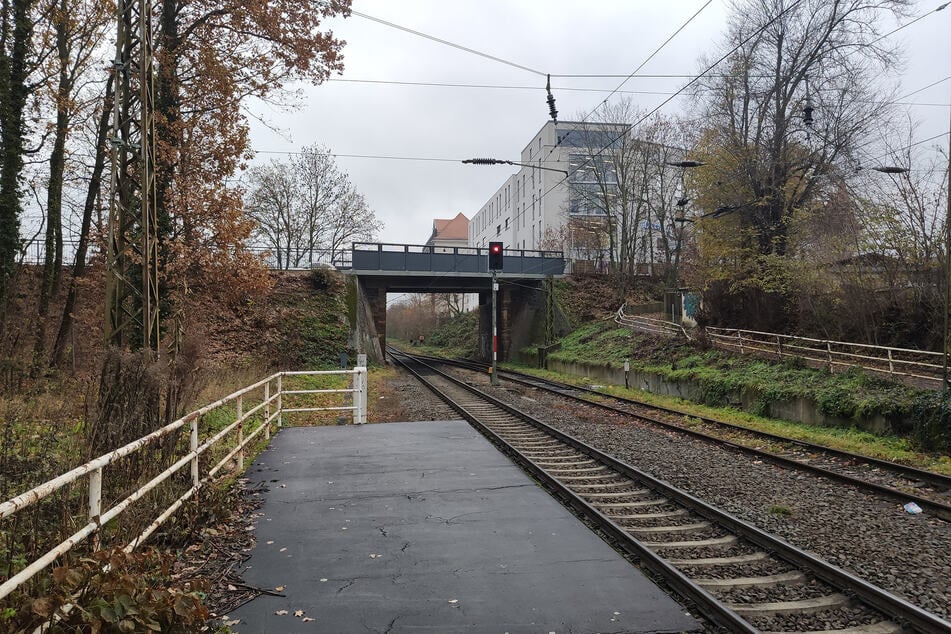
x=524, y=305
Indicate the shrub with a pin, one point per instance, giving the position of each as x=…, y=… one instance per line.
x=114, y=591
x=931, y=421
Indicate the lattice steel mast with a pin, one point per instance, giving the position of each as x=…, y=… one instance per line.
x=132, y=284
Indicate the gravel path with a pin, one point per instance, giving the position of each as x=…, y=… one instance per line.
x=910, y=555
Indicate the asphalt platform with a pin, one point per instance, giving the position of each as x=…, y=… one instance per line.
x=426, y=527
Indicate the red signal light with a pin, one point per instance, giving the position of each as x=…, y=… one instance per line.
x=495, y=256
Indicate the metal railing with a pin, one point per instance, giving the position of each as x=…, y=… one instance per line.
x=895, y=362
x=650, y=325
x=247, y=425
x=372, y=256
x=903, y=363
x=34, y=253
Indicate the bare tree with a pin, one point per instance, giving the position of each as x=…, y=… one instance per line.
x=77, y=28
x=624, y=187
x=271, y=204
x=308, y=209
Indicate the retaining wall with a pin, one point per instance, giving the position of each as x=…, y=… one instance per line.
x=799, y=410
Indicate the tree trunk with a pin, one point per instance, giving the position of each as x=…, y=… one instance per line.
x=53, y=258
x=13, y=96
x=79, y=266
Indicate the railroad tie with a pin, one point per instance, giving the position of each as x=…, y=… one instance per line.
x=804, y=606
x=726, y=540
x=882, y=627
x=720, y=561
x=676, y=528
x=626, y=505
x=617, y=495
x=649, y=516
x=768, y=581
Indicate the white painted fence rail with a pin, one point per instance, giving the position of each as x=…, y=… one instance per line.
x=649, y=325
x=923, y=366
x=897, y=362
x=261, y=413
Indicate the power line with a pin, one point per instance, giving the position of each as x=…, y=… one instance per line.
x=698, y=77
x=367, y=156
x=632, y=74
x=685, y=86
x=915, y=92
x=907, y=24
x=447, y=43
x=491, y=86
x=909, y=146
x=662, y=93
x=654, y=54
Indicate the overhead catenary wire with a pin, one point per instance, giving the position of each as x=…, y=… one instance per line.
x=634, y=72
x=448, y=43
x=663, y=93
x=910, y=145
x=697, y=78
x=909, y=23
x=716, y=63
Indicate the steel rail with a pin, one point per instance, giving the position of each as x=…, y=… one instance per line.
x=939, y=509
x=876, y=597
x=707, y=604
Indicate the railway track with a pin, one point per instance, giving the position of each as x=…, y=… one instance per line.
x=738, y=576
x=930, y=491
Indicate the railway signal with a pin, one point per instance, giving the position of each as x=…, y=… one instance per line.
x=495, y=256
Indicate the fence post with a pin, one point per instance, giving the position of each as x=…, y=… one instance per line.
x=267, y=410
x=739, y=335
x=829, y=352
x=193, y=445
x=355, y=396
x=364, y=381
x=280, y=393
x=359, y=395
x=240, y=408
x=95, y=503
x=891, y=366
x=779, y=344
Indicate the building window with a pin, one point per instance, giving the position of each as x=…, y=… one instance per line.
x=506, y=223
x=498, y=229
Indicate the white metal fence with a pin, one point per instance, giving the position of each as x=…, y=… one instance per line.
x=919, y=367
x=897, y=362
x=249, y=424
x=650, y=325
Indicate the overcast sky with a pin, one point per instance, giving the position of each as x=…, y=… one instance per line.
x=555, y=36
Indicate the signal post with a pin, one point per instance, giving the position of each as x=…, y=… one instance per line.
x=495, y=265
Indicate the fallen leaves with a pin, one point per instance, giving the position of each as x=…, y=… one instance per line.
x=297, y=613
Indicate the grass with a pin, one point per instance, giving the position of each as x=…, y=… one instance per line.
x=894, y=448
x=722, y=376
x=779, y=510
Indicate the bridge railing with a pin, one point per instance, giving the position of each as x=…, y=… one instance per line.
x=268, y=398
x=368, y=256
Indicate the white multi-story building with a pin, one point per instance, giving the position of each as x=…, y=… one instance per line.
x=532, y=208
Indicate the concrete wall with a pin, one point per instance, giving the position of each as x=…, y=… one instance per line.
x=370, y=335
x=797, y=410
